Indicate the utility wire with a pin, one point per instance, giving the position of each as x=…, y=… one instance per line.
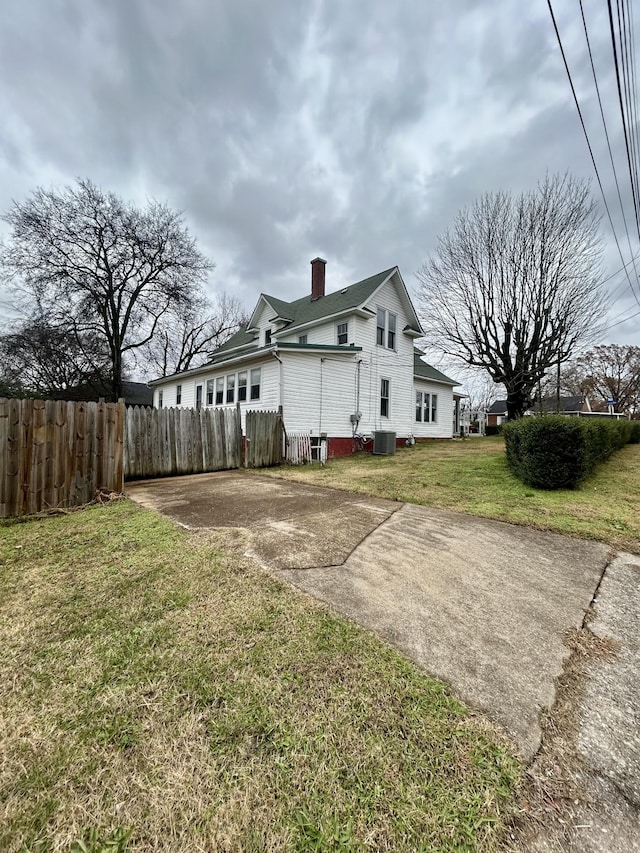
x=586, y=136
x=620, y=322
x=624, y=124
x=623, y=37
x=606, y=133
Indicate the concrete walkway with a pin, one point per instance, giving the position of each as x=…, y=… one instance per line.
x=483, y=605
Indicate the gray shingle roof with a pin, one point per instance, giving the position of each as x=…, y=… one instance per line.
x=426, y=371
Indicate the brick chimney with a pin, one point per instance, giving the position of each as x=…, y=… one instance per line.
x=317, y=278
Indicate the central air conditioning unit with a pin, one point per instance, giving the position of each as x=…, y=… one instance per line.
x=384, y=443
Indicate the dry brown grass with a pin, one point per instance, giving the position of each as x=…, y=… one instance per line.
x=156, y=682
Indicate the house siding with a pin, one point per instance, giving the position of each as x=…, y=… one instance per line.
x=443, y=426
x=327, y=385
x=269, y=387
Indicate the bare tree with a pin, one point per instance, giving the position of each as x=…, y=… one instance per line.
x=611, y=372
x=187, y=336
x=515, y=284
x=38, y=358
x=101, y=269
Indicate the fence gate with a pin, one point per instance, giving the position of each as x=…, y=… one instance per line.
x=264, y=439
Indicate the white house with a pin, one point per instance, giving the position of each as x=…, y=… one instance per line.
x=338, y=364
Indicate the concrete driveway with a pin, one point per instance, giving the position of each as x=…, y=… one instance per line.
x=484, y=606
x=481, y=604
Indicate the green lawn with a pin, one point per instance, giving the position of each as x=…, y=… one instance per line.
x=157, y=684
x=472, y=476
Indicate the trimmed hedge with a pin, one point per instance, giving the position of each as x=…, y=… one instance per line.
x=557, y=452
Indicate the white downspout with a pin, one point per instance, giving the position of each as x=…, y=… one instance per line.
x=274, y=353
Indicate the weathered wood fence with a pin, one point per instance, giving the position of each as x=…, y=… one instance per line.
x=298, y=450
x=265, y=439
x=55, y=453
x=162, y=442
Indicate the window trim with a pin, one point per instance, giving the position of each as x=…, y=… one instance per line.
x=344, y=325
x=242, y=387
x=253, y=397
x=230, y=388
x=386, y=336
x=210, y=392
x=428, y=407
x=385, y=400
x=219, y=398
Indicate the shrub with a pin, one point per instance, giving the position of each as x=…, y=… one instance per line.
x=634, y=427
x=492, y=429
x=556, y=452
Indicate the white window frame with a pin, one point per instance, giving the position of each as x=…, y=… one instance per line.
x=385, y=398
x=386, y=329
x=242, y=386
x=428, y=407
x=219, y=398
x=253, y=384
x=345, y=334
x=210, y=392
x=178, y=394
x=230, y=389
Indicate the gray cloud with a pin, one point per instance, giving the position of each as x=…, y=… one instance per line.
x=285, y=130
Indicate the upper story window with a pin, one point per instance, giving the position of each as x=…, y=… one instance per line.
x=209, y=392
x=219, y=391
x=178, y=394
x=302, y=339
x=342, y=332
x=267, y=337
x=159, y=399
x=386, y=324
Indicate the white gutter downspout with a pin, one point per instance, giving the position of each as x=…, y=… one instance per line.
x=274, y=353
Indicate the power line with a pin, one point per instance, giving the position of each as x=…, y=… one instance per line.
x=622, y=114
x=606, y=133
x=620, y=322
x=586, y=136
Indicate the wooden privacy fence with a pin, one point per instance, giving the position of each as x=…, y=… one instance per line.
x=264, y=434
x=161, y=442
x=55, y=453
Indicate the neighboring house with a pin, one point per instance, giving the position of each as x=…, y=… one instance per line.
x=497, y=413
x=577, y=406
x=338, y=364
x=134, y=393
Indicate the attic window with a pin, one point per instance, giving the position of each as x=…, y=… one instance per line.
x=302, y=339
x=267, y=337
x=342, y=331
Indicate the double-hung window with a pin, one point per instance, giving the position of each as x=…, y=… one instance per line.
x=342, y=331
x=219, y=391
x=178, y=394
x=302, y=339
x=209, y=392
x=255, y=384
x=242, y=386
x=231, y=388
x=159, y=399
x=386, y=324
x=426, y=407
x=384, y=398
x=267, y=337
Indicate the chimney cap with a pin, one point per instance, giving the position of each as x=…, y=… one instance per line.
x=322, y=260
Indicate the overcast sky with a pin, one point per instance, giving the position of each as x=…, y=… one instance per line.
x=289, y=129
